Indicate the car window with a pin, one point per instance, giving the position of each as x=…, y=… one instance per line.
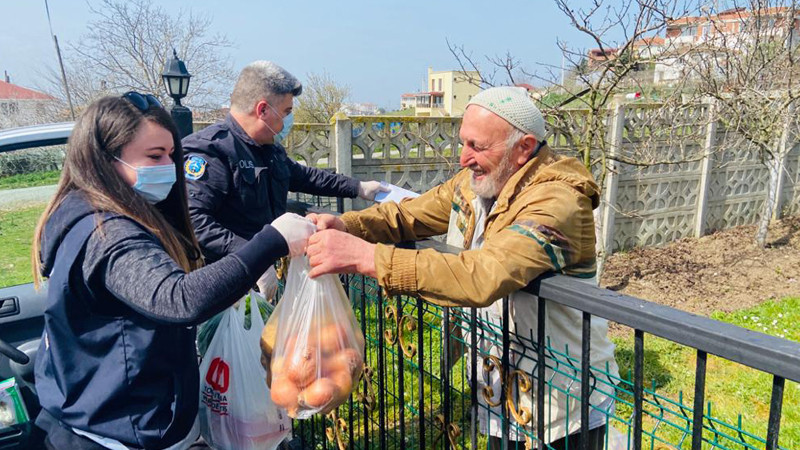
x=28, y=180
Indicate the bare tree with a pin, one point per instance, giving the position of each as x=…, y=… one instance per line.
x=127, y=45
x=322, y=98
x=621, y=35
x=581, y=93
x=753, y=76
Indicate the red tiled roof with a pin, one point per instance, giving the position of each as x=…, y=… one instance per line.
x=408, y=95
x=10, y=91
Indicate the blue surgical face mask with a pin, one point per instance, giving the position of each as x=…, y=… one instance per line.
x=288, y=121
x=153, y=182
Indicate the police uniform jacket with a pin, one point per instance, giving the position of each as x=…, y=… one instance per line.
x=236, y=186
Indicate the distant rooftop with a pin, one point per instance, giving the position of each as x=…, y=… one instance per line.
x=10, y=91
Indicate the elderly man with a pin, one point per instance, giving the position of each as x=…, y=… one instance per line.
x=518, y=211
x=239, y=175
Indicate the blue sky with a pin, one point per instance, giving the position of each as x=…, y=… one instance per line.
x=379, y=48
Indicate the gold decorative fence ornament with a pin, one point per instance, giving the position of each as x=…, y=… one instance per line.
x=529, y=443
x=522, y=415
x=395, y=330
x=491, y=363
x=335, y=432
x=453, y=431
x=283, y=266
x=408, y=348
x=368, y=397
x=390, y=334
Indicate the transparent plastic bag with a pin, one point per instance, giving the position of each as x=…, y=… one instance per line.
x=616, y=440
x=313, y=344
x=236, y=411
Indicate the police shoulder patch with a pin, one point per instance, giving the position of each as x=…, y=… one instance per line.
x=194, y=167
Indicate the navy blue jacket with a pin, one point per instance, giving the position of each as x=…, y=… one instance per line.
x=117, y=356
x=237, y=186
x=95, y=371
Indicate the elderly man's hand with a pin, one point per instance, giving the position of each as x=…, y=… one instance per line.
x=334, y=251
x=327, y=222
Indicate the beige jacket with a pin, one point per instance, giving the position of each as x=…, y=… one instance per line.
x=541, y=222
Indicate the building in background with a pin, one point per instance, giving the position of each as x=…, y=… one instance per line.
x=446, y=94
x=733, y=30
x=730, y=26
x=408, y=101
x=689, y=39
x=21, y=106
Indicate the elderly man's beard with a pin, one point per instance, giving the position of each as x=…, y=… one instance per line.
x=493, y=183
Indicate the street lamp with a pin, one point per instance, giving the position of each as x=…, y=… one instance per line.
x=176, y=80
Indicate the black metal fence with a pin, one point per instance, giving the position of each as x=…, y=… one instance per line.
x=415, y=394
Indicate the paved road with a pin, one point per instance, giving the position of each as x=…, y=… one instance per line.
x=15, y=198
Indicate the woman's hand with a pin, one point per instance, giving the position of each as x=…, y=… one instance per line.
x=295, y=230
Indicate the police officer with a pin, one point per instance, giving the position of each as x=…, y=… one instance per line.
x=238, y=175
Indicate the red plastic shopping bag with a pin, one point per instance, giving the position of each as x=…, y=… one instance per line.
x=236, y=410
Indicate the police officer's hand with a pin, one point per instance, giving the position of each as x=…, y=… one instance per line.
x=295, y=230
x=368, y=189
x=327, y=222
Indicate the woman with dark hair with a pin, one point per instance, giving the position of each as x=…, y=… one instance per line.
x=117, y=366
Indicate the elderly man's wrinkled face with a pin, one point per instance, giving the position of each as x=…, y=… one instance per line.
x=485, y=151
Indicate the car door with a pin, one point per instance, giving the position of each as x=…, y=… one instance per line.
x=29, y=168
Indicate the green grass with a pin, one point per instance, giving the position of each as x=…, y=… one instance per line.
x=735, y=392
x=402, y=112
x=30, y=179
x=16, y=235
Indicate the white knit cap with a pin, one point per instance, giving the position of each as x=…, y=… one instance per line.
x=514, y=106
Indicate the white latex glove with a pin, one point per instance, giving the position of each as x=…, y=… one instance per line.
x=295, y=230
x=368, y=189
x=268, y=284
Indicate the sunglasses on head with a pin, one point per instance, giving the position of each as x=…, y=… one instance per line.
x=142, y=101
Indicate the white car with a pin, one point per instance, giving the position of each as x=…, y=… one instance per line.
x=21, y=306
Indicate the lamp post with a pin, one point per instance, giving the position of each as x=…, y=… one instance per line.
x=176, y=80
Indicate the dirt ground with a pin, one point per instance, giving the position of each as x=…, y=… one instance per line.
x=724, y=271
